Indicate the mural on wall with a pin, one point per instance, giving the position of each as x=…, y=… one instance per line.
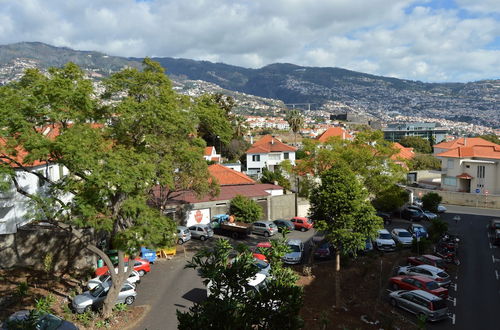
x=201, y=216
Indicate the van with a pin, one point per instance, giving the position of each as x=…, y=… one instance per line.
x=419, y=303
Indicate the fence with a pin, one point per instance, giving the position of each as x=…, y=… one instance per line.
x=460, y=198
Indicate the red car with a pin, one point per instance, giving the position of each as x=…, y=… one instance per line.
x=427, y=259
x=261, y=247
x=418, y=283
x=302, y=223
x=140, y=265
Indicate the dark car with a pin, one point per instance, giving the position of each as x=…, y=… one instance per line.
x=37, y=320
x=324, y=251
x=281, y=223
x=386, y=217
x=413, y=214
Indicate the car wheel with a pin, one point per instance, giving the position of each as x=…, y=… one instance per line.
x=141, y=272
x=129, y=300
x=395, y=286
x=302, y=229
x=266, y=234
x=202, y=238
x=234, y=235
x=180, y=241
x=87, y=309
x=394, y=303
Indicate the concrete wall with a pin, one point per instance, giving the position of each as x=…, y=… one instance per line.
x=30, y=244
x=464, y=199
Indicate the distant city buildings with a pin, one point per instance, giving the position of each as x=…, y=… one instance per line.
x=396, y=132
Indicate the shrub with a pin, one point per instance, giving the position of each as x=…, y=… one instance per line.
x=391, y=199
x=120, y=307
x=245, y=209
x=22, y=289
x=430, y=201
x=437, y=228
x=421, y=247
x=44, y=304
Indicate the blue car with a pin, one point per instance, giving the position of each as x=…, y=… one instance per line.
x=417, y=230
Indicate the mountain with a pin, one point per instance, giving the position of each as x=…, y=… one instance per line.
x=311, y=87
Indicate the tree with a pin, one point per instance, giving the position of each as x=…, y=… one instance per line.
x=417, y=143
x=245, y=209
x=296, y=121
x=430, y=201
x=339, y=206
x=391, y=199
x=230, y=305
x=275, y=176
x=115, y=152
x=424, y=162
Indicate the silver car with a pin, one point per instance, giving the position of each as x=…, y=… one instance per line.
x=266, y=228
x=183, y=234
x=133, y=278
x=420, y=303
x=402, y=236
x=437, y=274
x=296, y=252
x=201, y=231
x=94, y=298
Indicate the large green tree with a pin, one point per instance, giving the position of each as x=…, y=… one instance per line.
x=424, y=162
x=245, y=209
x=417, y=143
x=115, y=148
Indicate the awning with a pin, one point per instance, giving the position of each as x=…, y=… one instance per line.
x=464, y=176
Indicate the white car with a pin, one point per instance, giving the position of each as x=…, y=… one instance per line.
x=384, y=241
x=402, y=236
x=297, y=251
x=441, y=208
x=256, y=283
x=134, y=278
x=437, y=274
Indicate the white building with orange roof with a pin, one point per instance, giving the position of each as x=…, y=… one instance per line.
x=335, y=131
x=210, y=154
x=469, y=165
x=268, y=152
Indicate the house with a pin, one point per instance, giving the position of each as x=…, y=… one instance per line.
x=335, y=131
x=210, y=154
x=268, y=153
x=187, y=208
x=469, y=165
x=403, y=154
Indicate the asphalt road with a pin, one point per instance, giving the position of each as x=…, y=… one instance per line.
x=170, y=287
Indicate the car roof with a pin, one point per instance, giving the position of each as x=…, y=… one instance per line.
x=257, y=279
x=421, y=278
x=300, y=218
x=383, y=231
x=430, y=268
x=294, y=242
x=426, y=295
x=430, y=256
x=416, y=225
x=399, y=230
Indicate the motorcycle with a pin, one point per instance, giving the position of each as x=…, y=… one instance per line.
x=448, y=255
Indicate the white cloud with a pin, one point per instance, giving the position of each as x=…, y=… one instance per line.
x=408, y=39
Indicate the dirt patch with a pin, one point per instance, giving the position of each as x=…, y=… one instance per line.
x=363, y=294
x=21, y=288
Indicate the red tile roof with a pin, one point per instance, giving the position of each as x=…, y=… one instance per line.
x=227, y=176
x=464, y=142
x=473, y=152
x=208, y=151
x=334, y=131
x=403, y=152
x=269, y=144
x=464, y=176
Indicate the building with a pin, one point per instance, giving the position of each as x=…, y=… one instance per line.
x=268, y=153
x=469, y=165
x=395, y=132
x=403, y=154
x=335, y=131
x=210, y=154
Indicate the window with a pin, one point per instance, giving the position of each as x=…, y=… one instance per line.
x=450, y=164
x=274, y=156
x=480, y=172
x=450, y=181
x=255, y=158
x=41, y=182
x=286, y=155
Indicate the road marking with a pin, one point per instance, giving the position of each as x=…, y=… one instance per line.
x=452, y=317
x=496, y=273
x=454, y=286
x=492, y=246
x=487, y=225
x=488, y=234
x=454, y=301
x=493, y=258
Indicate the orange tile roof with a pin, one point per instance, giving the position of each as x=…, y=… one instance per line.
x=269, y=144
x=403, y=152
x=226, y=176
x=473, y=152
x=208, y=151
x=334, y=131
x=464, y=142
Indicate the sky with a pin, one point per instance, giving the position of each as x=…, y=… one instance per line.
x=427, y=40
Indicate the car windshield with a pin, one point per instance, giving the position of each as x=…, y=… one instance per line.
x=432, y=285
x=272, y=225
x=294, y=248
x=404, y=234
x=309, y=221
x=103, y=278
x=438, y=304
x=384, y=236
x=260, y=263
x=95, y=292
x=442, y=274
x=49, y=322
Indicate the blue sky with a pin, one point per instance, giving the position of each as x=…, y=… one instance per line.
x=427, y=40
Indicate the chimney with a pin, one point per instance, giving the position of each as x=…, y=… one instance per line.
x=465, y=141
x=272, y=141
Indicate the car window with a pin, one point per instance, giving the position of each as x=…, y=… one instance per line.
x=103, y=278
x=404, y=234
x=442, y=274
x=49, y=322
x=426, y=272
x=407, y=296
x=293, y=220
x=432, y=285
x=384, y=236
x=438, y=304
x=420, y=301
x=192, y=228
x=407, y=280
x=294, y=248
x=137, y=263
x=299, y=221
x=126, y=288
x=272, y=225
x=418, y=284
x=96, y=291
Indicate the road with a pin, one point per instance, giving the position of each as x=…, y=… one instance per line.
x=170, y=287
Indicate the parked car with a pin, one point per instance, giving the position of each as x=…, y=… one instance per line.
x=417, y=230
x=266, y=228
x=412, y=214
x=386, y=217
x=140, y=265
x=94, y=298
x=297, y=251
x=324, y=251
x=256, y=283
x=420, y=302
x=418, y=283
x=281, y=223
x=427, y=259
x=133, y=278
x=43, y=321
x=402, y=236
x=439, y=275
x=183, y=234
x=384, y=241
x=427, y=214
x=302, y=223
x=441, y=208
x=260, y=256
x=495, y=230
x=201, y=232
x=263, y=266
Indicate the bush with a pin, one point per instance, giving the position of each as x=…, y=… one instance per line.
x=44, y=304
x=421, y=247
x=391, y=199
x=437, y=228
x=22, y=289
x=245, y=209
x=430, y=201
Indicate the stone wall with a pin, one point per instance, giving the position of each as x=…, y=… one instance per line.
x=459, y=198
x=32, y=243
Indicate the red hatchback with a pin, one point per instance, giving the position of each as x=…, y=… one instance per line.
x=427, y=259
x=302, y=223
x=418, y=283
x=140, y=265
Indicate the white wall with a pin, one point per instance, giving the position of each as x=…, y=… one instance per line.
x=265, y=161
